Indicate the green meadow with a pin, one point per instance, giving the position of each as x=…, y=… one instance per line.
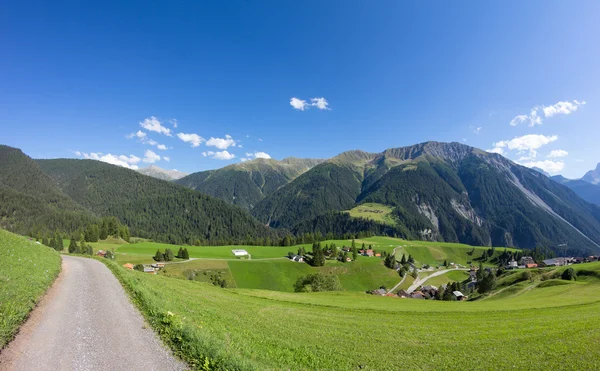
x=27, y=269
x=373, y=211
x=263, y=329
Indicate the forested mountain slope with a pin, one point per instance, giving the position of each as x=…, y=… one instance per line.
x=443, y=191
x=247, y=183
x=151, y=207
x=29, y=199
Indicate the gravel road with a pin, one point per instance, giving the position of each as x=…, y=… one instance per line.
x=86, y=322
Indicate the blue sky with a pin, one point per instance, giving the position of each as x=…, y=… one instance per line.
x=76, y=79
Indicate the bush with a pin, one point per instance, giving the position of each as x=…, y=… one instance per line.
x=317, y=282
x=139, y=267
x=569, y=274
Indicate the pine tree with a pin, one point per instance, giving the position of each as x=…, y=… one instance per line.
x=179, y=253
x=159, y=257
x=354, y=254
x=403, y=260
x=104, y=230
x=186, y=254
x=353, y=243
x=410, y=259
x=169, y=255
x=73, y=246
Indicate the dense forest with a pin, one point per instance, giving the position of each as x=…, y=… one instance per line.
x=153, y=208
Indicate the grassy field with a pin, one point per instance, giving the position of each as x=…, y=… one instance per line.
x=209, y=252
x=26, y=271
x=373, y=211
x=261, y=329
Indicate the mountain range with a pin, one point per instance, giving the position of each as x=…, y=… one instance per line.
x=159, y=173
x=437, y=191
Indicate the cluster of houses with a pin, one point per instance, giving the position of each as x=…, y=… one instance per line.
x=529, y=262
x=427, y=292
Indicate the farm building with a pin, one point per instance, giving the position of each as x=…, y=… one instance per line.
x=240, y=252
x=149, y=270
x=101, y=253
x=459, y=295
x=128, y=265
x=297, y=258
x=531, y=265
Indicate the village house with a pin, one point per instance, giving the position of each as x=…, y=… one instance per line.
x=240, y=253
x=403, y=294
x=526, y=260
x=532, y=265
x=512, y=264
x=417, y=295
x=101, y=253
x=149, y=270
x=368, y=253
x=459, y=295
x=128, y=265
x=380, y=292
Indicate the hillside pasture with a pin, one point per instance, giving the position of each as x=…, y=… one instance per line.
x=373, y=211
x=260, y=329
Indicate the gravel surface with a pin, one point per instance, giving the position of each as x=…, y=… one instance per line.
x=86, y=322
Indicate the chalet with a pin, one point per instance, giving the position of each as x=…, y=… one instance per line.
x=369, y=253
x=101, y=253
x=532, y=265
x=403, y=294
x=526, y=260
x=128, y=265
x=149, y=270
x=557, y=262
x=380, y=292
x=459, y=295
x=298, y=259
x=346, y=249
x=512, y=264
x=417, y=295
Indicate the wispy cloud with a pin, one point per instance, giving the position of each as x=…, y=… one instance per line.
x=497, y=150
x=221, y=143
x=548, y=166
x=298, y=104
x=152, y=124
x=194, y=139
x=174, y=122
x=302, y=105
x=119, y=160
x=555, y=153
x=477, y=130
x=150, y=157
x=535, y=115
x=320, y=103
x=166, y=158
x=220, y=155
x=143, y=138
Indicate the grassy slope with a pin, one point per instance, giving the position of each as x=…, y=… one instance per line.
x=373, y=211
x=26, y=271
x=250, y=329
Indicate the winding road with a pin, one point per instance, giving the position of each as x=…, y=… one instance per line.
x=86, y=322
x=420, y=281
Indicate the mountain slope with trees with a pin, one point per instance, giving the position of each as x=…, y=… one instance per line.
x=442, y=191
x=30, y=201
x=586, y=190
x=152, y=208
x=247, y=183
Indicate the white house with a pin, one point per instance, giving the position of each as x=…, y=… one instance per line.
x=240, y=252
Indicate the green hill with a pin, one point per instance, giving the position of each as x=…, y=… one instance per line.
x=27, y=269
x=152, y=208
x=442, y=192
x=247, y=183
x=29, y=199
x=253, y=329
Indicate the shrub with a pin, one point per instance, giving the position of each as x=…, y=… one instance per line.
x=139, y=267
x=569, y=274
x=317, y=282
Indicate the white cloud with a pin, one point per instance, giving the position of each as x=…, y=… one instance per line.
x=497, y=150
x=477, y=130
x=152, y=124
x=166, y=158
x=122, y=160
x=221, y=143
x=563, y=108
x=320, y=103
x=252, y=155
x=548, y=166
x=526, y=142
x=162, y=147
x=150, y=157
x=558, y=153
x=174, y=122
x=298, y=104
x=260, y=140
x=535, y=118
x=139, y=135
x=194, y=139
x=221, y=155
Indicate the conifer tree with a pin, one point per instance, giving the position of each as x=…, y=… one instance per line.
x=73, y=246
x=186, y=254
x=403, y=260
x=159, y=257
x=354, y=254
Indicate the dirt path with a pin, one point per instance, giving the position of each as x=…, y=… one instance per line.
x=420, y=281
x=86, y=322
